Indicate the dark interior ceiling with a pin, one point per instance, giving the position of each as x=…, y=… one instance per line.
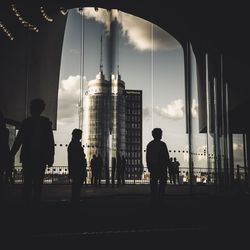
x=213, y=27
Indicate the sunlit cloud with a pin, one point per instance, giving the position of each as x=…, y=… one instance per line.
x=138, y=31
x=68, y=100
x=147, y=113
x=174, y=110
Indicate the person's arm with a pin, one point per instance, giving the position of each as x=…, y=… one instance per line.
x=18, y=142
x=69, y=162
x=148, y=158
x=51, y=145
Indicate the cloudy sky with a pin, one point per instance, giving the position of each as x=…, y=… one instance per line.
x=149, y=59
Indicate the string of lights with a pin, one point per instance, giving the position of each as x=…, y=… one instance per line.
x=45, y=15
x=63, y=11
x=22, y=20
x=4, y=29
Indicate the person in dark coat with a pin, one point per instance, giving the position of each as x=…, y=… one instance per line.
x=171, y=171
x=77, y=165
x=157, y=158
x=94, y=170
x=35, y=137
x=99, y=169
x=176, y=165
x=5, y=166
x=123, y=166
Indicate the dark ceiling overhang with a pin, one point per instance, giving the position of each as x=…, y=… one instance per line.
x=212, y=27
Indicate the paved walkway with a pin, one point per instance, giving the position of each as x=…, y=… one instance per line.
x=124, y=217
x=62, y=192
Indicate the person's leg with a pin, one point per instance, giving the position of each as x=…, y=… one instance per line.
x=27, y=184
x=153, y=186
x=38, y=182
x=162, y=187
x=76, y=190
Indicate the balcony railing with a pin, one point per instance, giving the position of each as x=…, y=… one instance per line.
x=59, y=175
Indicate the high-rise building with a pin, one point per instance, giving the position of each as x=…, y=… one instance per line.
x=133, y=113
x=97, y=117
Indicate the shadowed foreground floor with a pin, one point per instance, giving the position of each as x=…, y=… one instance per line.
x=122, y=219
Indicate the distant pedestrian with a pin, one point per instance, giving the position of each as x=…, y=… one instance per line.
x=5, y=163
x=176, y=170
x=171, y=170
x=35, y=137
x=157, y=158
x=94, y=170
x=99, y=169
x=77, y=165
x=113, y=171
x=118, y=169
x=123, y=168
x=106, y=169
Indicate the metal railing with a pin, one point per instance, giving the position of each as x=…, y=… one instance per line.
x=59, y=175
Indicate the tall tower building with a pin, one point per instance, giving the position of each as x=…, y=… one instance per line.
x=133, y=113
x=96, y=118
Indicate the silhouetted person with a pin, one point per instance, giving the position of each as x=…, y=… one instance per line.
x=113, y=170
x=157, y=158
x=106, y=169
x=176, y=169
x=5, y=164
x=123, y=166
x=171, y=170
x=36, y=140
x=118, y=169
x=77, y=165
x=94, y=169
x=99, y=169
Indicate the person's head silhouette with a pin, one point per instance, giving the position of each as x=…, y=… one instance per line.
x=77, y=134
x=157, y=133
x=37, y=106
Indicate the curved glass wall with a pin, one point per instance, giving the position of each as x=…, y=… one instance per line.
x=121, y=76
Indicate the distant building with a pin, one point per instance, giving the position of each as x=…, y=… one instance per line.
x=112, y=122
x=133, y=114
x=97, y=117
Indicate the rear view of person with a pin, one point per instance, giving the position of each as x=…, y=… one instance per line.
x=157, y=158
x=77, y=165
x=36, y=140
x=5, y=166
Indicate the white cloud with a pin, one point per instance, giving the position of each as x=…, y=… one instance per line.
x=147, y=112
x=174, y=110
x=137, y=30
x=68, y=100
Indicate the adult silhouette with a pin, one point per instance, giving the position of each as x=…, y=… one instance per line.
x=157, y=158
x=94, y=170
x=176, y=170
x=77, y=165
x=171, y=171
x=113, y=171
x=99, y=169
x=106, y=169
x=118, y=169
x=123, y=166
x=35, y=137
x=5, y=166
